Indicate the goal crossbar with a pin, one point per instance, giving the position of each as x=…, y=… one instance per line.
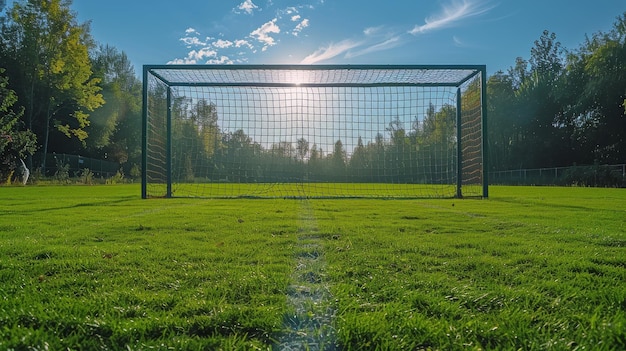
x=314, y=75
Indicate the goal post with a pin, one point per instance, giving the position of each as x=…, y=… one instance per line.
x=307, y=131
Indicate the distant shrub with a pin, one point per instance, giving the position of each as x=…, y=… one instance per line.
x=596, y=176
x=188, y=175
x=36, y=176
x=116, y=178
x=62, y=174
x=135, y=171
x=86, y=176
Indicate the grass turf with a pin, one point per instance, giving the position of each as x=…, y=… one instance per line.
x=98, y=268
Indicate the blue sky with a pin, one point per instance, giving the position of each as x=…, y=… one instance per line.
x=487, y=32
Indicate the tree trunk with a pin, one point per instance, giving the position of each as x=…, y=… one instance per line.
x=46, y=138
x=29, y=116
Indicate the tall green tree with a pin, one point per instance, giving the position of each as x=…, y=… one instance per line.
x=439, y=126
x=302, y=149
x=47, y=53
x=204, y=115
x=503, y=128
x=541, y=141
x=359, y=161
x=338, y=158
x=114, y=128
x=595, y=91
x=15, y=142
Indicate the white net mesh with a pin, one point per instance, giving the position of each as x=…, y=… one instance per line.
x=313, y=131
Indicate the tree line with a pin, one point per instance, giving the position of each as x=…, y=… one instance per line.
x=201, y=151
x=62, y=91
x=560, y=107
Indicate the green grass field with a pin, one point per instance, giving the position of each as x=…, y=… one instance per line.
x=97, y=268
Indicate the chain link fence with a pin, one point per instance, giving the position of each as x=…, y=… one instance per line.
x=596, y=175
x=76, y=164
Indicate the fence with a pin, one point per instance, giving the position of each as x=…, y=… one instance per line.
x=77, y=163
x=596, y=175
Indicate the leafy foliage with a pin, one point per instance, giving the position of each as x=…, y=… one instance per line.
x=15, y=143
x=48, y=52
x=115, y=128
x=559, y=109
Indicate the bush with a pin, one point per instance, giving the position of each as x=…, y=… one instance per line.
x=86, y=176
x=135, y=171
x=117, y=178
x=62, y=174
x=36, y=176
x=597, y=176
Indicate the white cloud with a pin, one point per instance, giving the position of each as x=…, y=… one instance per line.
x=385, y=45
x=247, y=6
x=193, y=41
x=457, y=41
x=372, y=30
x=222, y=60
x=373, y=39
x=202, y=54
x=222, y=44
x=300, y=27
x=332, y=50
x=450, y=15
x=184, y=61
x=287, y=21
x=262, y=33
x=289, y=10
x=195, y=56
x=243, y=43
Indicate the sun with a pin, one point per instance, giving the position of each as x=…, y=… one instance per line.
x=298, y=78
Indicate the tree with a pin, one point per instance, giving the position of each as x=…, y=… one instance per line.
x=48, y=53
x=546, y=57
x=595, y=88
x=358, y=161
x=302, y=148
x=399, y=150
x=14, y=143
x=283, y=150
x=376, y=156
x=204, y=115
x=314, y=154
x=114, y=128
x=503, y=125
x=542, y=140
x=439, y=126
x=239, y=155
x=338, y=158
x=519, y=72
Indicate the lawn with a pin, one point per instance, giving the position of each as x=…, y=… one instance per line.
x=96, y=267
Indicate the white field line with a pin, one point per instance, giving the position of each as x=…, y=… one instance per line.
x=310, y=326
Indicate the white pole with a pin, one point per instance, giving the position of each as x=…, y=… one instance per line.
x=25, y=172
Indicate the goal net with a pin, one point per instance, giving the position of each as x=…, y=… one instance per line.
x=314, y=131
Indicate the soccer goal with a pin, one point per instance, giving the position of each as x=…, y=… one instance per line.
x=308, y=131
